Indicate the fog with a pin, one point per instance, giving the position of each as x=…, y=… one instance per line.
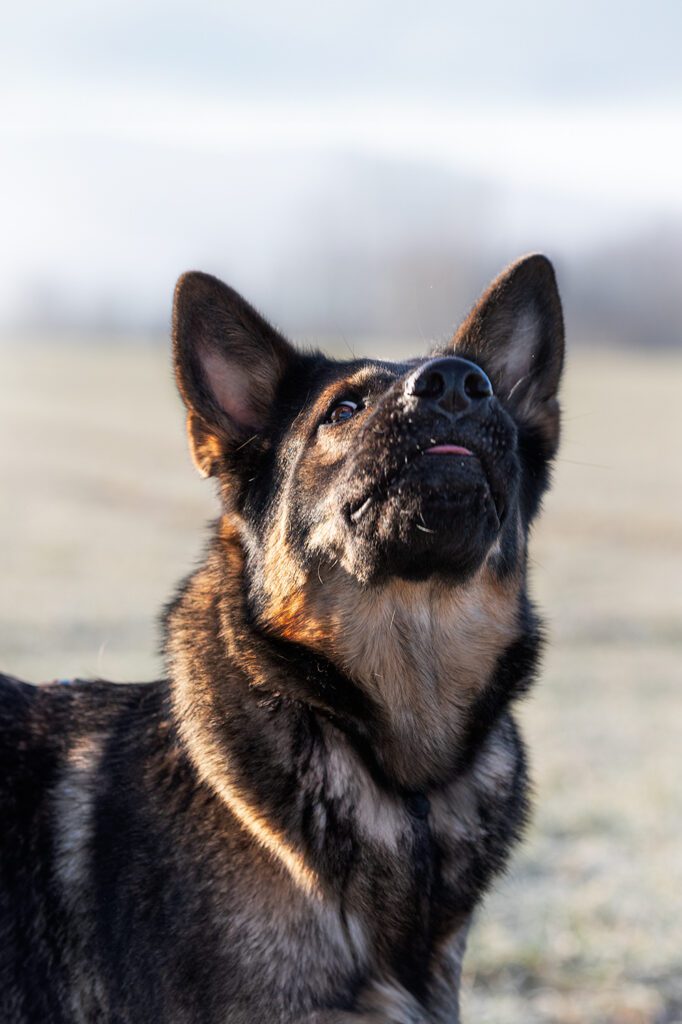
x=355, y=171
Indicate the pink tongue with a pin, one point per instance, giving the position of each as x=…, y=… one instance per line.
x=448, y=449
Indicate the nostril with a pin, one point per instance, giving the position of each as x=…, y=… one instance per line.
x=477, y=385
x=429, y=385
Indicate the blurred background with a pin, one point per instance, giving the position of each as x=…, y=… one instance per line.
x=360, y=171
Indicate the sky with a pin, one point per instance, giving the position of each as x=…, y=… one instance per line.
x=300, y=149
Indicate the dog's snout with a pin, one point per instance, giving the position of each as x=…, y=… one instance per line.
x=453, y=383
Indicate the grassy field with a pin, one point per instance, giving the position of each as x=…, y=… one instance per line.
x=101, y=514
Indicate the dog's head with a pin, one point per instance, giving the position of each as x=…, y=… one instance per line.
x=348, y=478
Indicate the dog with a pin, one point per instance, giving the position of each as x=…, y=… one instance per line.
x=296, y=825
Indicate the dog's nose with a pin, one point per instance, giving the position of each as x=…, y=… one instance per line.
x=453, y=383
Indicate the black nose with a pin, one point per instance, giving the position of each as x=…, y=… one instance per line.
x=453, y=383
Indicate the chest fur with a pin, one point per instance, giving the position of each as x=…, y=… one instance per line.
x=417, y=862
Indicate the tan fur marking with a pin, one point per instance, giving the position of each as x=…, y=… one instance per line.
x=295, y=607
x=204, y=447
x=271, y=840
x=423, y=651
x=205, y=744
x=209, y=759
x=357, y=381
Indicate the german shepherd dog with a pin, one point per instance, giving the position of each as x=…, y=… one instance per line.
x=296, y=824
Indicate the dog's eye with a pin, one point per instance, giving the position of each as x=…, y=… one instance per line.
x=343, y=411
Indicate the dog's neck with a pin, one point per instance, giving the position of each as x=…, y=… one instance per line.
x=417, y=656
x=425, y=652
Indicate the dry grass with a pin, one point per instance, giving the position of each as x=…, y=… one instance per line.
x=102, y=513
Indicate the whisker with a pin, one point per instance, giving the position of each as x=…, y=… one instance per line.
x=519, y=381
x=526, y=376
x=248, y=441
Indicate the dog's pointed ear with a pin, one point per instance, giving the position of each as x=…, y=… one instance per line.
x=516, y=333
x=229, y=363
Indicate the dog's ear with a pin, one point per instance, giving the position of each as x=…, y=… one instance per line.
x=515, y=332
x=228, y=364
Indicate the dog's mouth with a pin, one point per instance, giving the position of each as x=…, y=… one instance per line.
x=448, y=449
x=380, y=490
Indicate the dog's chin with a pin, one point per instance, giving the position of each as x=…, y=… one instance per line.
x=439, y=518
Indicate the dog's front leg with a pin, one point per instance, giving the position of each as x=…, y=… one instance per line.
x=382, y=1002
x=444, y=979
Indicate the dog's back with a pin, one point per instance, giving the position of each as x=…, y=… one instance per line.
x=102, y=894
x=63, y=754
